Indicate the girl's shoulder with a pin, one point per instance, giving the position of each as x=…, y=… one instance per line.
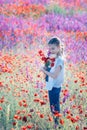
x=59, y=60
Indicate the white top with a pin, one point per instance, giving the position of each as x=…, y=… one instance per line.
x=57, y=83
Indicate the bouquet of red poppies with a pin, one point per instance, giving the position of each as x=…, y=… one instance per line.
x=48, y=62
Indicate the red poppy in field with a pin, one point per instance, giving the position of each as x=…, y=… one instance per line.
x=69, y=117
x=24, y=100
x=36, y=100
x=77, y=118
x=35, y=94
x=74, y=106
x=2, y=100
x=50, y=118
x=29, y=126
x=75, y=81
x=73, y=120
x=61, y=121
x=65, y=92
x=73, y=98
x=45, y=96
x=20, y=103
x=25, y=105
x=0, y=108
x=16, y=117
x=41, y=115
x=24, y=128
x=84, y=128
x=38, y=76
x=82, y=79
x=18, y=112
x=29, y=115
x=81, y=91
x=77, y=127
x=1, y=84
x=42, y=102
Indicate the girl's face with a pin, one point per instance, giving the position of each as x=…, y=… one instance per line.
x=53, y=49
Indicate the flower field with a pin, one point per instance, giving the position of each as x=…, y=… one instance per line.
x=25, y=28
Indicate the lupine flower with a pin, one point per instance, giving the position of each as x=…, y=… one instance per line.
x=65, y=97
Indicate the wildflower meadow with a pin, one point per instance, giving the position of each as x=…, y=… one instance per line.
x=26, y=26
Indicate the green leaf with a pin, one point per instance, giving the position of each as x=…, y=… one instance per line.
x=47, y=63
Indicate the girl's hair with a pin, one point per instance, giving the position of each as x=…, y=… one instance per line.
x=56, y=41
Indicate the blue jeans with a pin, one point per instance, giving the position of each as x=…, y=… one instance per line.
x=54, y=99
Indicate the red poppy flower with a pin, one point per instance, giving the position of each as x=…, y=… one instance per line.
x=29, y=126
x=0, y=108
x=61, y=121
x=42, y=103
x=41, y=115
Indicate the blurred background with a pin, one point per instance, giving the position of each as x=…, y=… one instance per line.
x=28, y=23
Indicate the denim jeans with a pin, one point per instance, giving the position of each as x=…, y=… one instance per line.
x=54, y=99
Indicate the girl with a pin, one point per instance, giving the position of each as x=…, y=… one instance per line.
x=56, y=77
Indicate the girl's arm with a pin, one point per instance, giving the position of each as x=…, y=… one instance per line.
x=54, y=74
